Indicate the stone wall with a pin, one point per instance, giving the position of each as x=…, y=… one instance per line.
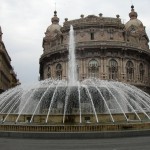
x=75, y=128
x=75, y=119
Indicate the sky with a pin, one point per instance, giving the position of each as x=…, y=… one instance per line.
x=24, y=23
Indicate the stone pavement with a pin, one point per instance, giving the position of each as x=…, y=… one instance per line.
x=132, y=143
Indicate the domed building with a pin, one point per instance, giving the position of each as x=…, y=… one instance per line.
x=106, y=48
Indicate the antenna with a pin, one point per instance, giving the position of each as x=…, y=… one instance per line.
x=55, y=4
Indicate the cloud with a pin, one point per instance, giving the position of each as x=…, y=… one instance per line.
x=25, y=21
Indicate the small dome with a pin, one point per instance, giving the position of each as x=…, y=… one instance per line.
x=133, y=14
x=55, y=19
x=133, y=19
x=134, y=22
x=55, y=24
x=53, y=28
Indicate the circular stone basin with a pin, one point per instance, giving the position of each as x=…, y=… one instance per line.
x=89, y=101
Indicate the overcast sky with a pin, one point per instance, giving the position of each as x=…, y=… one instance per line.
x=24, y=23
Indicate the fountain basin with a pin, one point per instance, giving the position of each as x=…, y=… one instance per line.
x=89, y=101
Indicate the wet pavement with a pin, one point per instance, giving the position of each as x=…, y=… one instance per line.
x=134, y=143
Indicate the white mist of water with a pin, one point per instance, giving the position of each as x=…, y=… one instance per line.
x=72, y=70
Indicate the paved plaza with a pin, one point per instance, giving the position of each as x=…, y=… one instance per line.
x=134, y=143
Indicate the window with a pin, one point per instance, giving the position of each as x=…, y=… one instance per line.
x=48, y=71
x=141, y=72
x=92, y=36
x=133, y=30
x=93, y=69
x=113, y=69
x=62, y=38
x=87, y=119
x=59, y=71
x=130, y=70
x=28, y=119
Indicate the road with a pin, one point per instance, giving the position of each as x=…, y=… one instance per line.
x=134, y=143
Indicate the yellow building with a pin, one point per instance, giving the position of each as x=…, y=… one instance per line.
x=8, y=78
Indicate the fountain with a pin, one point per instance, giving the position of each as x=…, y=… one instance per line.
x=59, y=102
x=72, y=71
x=91, y=97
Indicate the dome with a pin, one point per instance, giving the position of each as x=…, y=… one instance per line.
x=133, y=19
x=55, y=24
x=134, y=22
x=53, y=27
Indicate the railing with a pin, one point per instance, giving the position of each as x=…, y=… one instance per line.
x=99, y=44
x=75, y=128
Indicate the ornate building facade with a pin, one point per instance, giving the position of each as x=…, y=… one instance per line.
x=106, y=48
x=8, y=77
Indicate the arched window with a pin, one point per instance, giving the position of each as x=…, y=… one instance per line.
x=141, y=72
x=59, y=71
x=48, y=71
x=92, y=36
x=93, y=69
x=130, y=70
x=113, y=69
x=61, y=39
